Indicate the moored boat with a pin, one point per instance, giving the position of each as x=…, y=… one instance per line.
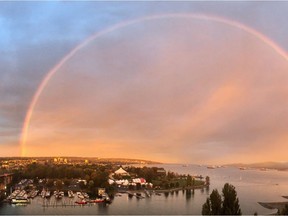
x=97, y=200
x=20, y=201
x=211, y=167
x=43, y=193
x=13, y=195
x=58, y=194
x=70, y=194
x=80, y=195
x=47, y=194
x=81, y=202
x=86, y=196
x=32, y=194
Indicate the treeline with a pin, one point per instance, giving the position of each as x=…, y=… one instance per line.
x=41, y=171
x=149, y=173
x=95, y=175
x=163, y=179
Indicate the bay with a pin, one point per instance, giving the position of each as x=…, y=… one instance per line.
x=252, y=186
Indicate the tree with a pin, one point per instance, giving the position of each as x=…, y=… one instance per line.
x=229, y=206
x=50, y=183
x=82, y=185
x=87, y=178
x=189, y=180
x=67, y=182
x=170, y=175
x=206, y=208
x=59, y=184
x=207, y=180
x=230, y=201
x=216, y=202
x=166, y=185
x=213, y=204
x=177, y=184
x=91, y=184
x=193, y=182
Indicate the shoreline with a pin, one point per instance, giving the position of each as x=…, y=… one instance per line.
x=181, y=188
x=165, y=190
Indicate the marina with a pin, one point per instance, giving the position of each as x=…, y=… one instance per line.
x=21, y=197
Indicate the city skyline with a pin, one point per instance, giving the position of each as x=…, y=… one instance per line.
x=189, y=83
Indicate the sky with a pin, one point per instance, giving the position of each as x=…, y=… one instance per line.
x=188, y=84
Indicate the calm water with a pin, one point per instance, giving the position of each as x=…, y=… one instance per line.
x=252, y=186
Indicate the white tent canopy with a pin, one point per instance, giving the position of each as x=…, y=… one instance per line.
x=121, y=171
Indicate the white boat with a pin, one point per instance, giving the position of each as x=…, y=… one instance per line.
x=43, y=193
x=13, y=195
x=20, y=201
x=80, y=195
x=70, y=194
x=58, y=194
x=22, y=193
x=211, y=167
x=86, y=196
x=47, y=194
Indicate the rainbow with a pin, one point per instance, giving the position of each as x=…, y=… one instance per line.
x=204, y=17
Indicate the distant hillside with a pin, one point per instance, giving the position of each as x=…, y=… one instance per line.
x=127, y=160
x=266, y=165
x=119, y=161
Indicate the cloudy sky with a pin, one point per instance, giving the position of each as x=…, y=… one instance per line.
x=187, y=84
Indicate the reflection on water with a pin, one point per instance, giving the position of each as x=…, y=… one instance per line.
x=207, y=190
x=252, y=186
x=188, y=194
